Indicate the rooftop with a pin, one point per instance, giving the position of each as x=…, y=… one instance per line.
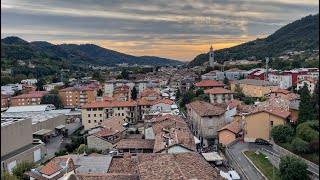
x=209, y=83
x=233, y=127
x=206, y=109
x=217, y=91
x=135, y=144
x=255, y=82
x=97, y=104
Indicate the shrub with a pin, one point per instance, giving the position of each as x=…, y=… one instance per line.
x=281, y=133
x=8, y=176
x=300, y=146
x=306, y=132
x=314, y=146
x=23, y=167
x=292, y=168
x=61, y=152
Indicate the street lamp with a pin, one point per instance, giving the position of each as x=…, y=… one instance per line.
x=272, y=165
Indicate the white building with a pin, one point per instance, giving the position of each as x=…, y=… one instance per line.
x=284, y=81
x=11, y=88
x=30, y=82
x=49, y=87
x=310, y=84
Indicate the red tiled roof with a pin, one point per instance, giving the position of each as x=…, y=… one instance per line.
x=144, y=102
x=50, y=168
x=307, y=79
x=206, y=109
x=105, y=132
x=97, y=104
x=209, y=83
x=283, y=91
x=124, y=165
x=149, y=92
x=135, y=144
x=234, y=103
x=22, y=96
x=84, y=88
x=105, y=98
x=218, y=91
x=4, y=96
x=272, y=110
x=233, y=127
x=108, y=176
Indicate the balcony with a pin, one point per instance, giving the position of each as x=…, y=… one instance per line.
x=130, y=117
x=109, y=111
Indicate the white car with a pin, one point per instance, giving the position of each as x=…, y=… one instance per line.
x=37, y=141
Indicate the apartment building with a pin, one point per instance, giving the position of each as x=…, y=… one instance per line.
x=208, y=84
x=255, y=88
x=219, y=95
x=122, y=93
x=110, y=85
x=95, y=113
x=284, y=80
x=5, y=100
x=310, y=84
x=73, y=97
x=11, y=88
x=205, y=119
x=33, y=98
x=30, y=82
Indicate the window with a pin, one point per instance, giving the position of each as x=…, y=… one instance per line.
x=118, y=108
x=100, y=115
x=118, y=114
x=100, y=120
x=123, y=107
x=271, y=123
x=122, y=114
x=94, y=115
x=100, y=109
x=88, y=109
x=89, y=121
x=95, y=121
x=88, y=115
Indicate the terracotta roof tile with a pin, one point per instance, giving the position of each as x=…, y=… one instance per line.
x=283, y=91
x=108, y=176
x=207, y=109
x=23, y=96
x=126, y=165
x=50, y=168
x=233, y=127
x=307, y=79
x=218, y=91
x=105, y=132
x=114, y=124
x=148, y=92
x=135, y=144
x=209, y=83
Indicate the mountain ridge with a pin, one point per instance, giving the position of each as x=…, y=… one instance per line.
x=302, y=34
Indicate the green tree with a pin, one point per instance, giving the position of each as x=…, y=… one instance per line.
x=300, y=146
x=178, y=94
x=308, y=131
x=19, y=77
x=51, y=99
x=187, y=97
x=202, y=97
x=125, y=74
x=199, y=92
x=66, y=83
x=305, y=107
x=238, y=92
x=280, y=133
x=134, y=93
x=8, y=176
x=100, y=92
x=55, y=90
x=315, y=101
x=40, y=84
x=6, y=80
x=292, y=168
x=226, y=81
x=23, y=167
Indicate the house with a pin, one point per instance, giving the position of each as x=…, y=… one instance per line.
x=185, y=84
x=229, y=133
x=10, y=89
x=255, y=88
x=259, y=122
x=149, y=94
x=219, y=95
x=205, y=120
x=73, y=97
x=54, y=169
x=174, y=140
x=213, y=75
x=33, y=98
x=208, y=84
x=161, y=105
x=30, y=82
x=122, y=93
x=134, y=146
x=284, y=80
x=310, y=84
x=97, y=112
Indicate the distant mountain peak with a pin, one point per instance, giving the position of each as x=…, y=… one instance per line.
x=14, y=40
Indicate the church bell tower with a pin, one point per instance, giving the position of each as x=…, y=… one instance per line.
x=211, y=57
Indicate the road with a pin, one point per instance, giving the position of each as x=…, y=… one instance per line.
x=54, y=144
x=239, y=147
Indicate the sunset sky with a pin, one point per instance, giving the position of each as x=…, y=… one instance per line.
x=166, y=28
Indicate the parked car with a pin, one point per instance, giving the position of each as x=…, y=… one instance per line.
x=260, y=141
x=37, y=141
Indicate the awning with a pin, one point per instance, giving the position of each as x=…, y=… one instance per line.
x=196, y=140
x=42, y=132
x=60, y=127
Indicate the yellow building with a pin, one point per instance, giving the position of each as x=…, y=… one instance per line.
x=255, y=88
x=259, y=123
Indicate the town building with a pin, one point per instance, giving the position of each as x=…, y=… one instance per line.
x=135, y=146
x=73, y=97
x=10, y=89
x=95, y=113
x=229, y=133
x=30, y=82
x=17, y=143
x=5, y=101
x=284, y=80
x=33, y=98
x=310, y=84
x=185, y=85
x=208, y=84
x=219, y=95
x=50, y=87
x=205, y=120
x=255, y=88
x=213, y=75
x=122, y=93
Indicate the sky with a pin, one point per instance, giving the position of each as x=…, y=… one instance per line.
x=176, y=29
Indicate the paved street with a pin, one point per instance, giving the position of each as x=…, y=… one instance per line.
x=239, y=147
x=55, y=142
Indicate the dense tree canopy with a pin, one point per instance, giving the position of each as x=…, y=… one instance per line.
x=305, y=107
x=51, y=99
x=292, y=168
